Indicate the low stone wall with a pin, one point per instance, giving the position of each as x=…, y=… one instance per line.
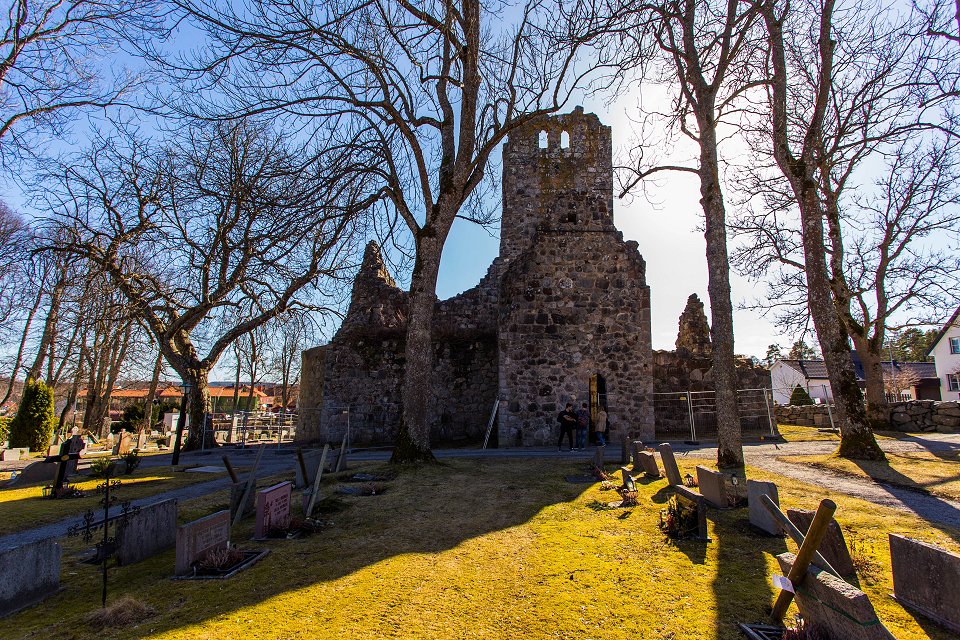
x=811, y=415
x=911, y=416
x=925, y=415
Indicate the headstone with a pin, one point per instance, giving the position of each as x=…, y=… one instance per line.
x=649, y=464
x=712, y=487
x=141, y=441
x=28, y=574
x=926, y=579
x=236, y=495
x=196, y=538
x=311, y=459
x=759, y=516
x=624, y=453
x=841, y=610
x=628, y=483
x=833, y=547
x=273, y=508
x=11, y=455
x=124, y=444
x=150, y=531
x=33, y=473
x=53, y=450
x=670, y=465
x=598, y=457
x=636, y=446
x=694, y=499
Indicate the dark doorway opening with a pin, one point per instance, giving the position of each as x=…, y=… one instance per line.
x=598, y=400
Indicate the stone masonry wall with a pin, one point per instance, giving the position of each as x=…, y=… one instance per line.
x=576, y=305
x=909, y=416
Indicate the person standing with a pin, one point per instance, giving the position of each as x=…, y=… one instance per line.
x=567, y=420
x=583, y=424
x=600, y=427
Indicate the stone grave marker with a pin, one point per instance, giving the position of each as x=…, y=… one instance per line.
x=12, y=455
x=833, y=547
x=695, y=500
x=759, y=516
x=152, y=530
x=141, y=441
x=598, y=457
x=237, y=490
x=124, y=444
x=311, y=460
x=649, y=464
x=670, y=465
x=33, y=473
x=196, y=538
x=842, y=610
x=712, y=487
x=636, y=446
x=273, y=509
x=29, y=574
x=926, y=579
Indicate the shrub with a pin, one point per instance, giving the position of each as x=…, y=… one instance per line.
x=131, y=462
x=98, y=467
x=132, y=418
x=800, y=397
x=4, y=428
x=35, y=420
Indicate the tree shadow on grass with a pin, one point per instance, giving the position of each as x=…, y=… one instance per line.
x=935, y=511
x=742, y=585
x=428, y=510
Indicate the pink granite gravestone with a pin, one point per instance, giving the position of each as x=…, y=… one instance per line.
x=273, y=509
x=197, y=538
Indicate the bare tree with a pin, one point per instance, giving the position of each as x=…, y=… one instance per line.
x=839, y=93
x=436, y=87
x=709, y=50
x=210, y=235
x=53, y=60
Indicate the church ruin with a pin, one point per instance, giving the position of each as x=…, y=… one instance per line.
x=562, y=315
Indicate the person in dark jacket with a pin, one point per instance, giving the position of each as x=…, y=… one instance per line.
x=568, y=421
x=583, y=424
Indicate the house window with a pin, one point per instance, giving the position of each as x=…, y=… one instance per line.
x=953, y=381
x=954, y=345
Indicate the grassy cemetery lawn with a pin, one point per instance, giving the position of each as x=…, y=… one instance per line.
x=24, y=507
x=492, y=548
x=934, y=473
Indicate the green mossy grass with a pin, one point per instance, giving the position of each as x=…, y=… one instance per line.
x=483, y=548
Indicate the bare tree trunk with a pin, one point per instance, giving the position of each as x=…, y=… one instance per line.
x=729, y=436
x=23, y=343
x=878, y=409
x=49, y=327
x=413, y=441
x=74, y=389
x=856, y=437
x=151, y=395
x=198, y=404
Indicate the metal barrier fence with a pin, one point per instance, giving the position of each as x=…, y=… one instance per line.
x=691, y=415
x=243, y=427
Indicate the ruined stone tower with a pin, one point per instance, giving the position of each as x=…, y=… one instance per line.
x=574, y=308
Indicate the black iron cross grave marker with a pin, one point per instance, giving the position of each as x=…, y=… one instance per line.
x=67, y=453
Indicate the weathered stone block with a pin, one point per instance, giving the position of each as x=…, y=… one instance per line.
x=649, y=464
x=842, y=610
x=833, y=547
x=151, y=531
x=926, y=578
x=712, y=487
x=759, y=516
x=29, y=574
x=670, y=465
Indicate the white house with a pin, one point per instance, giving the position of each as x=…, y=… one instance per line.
x=785, y=375
x=812, y=376
x=946, y=354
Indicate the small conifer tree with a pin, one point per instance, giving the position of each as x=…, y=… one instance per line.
x=35, y=420
x=800, y=397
